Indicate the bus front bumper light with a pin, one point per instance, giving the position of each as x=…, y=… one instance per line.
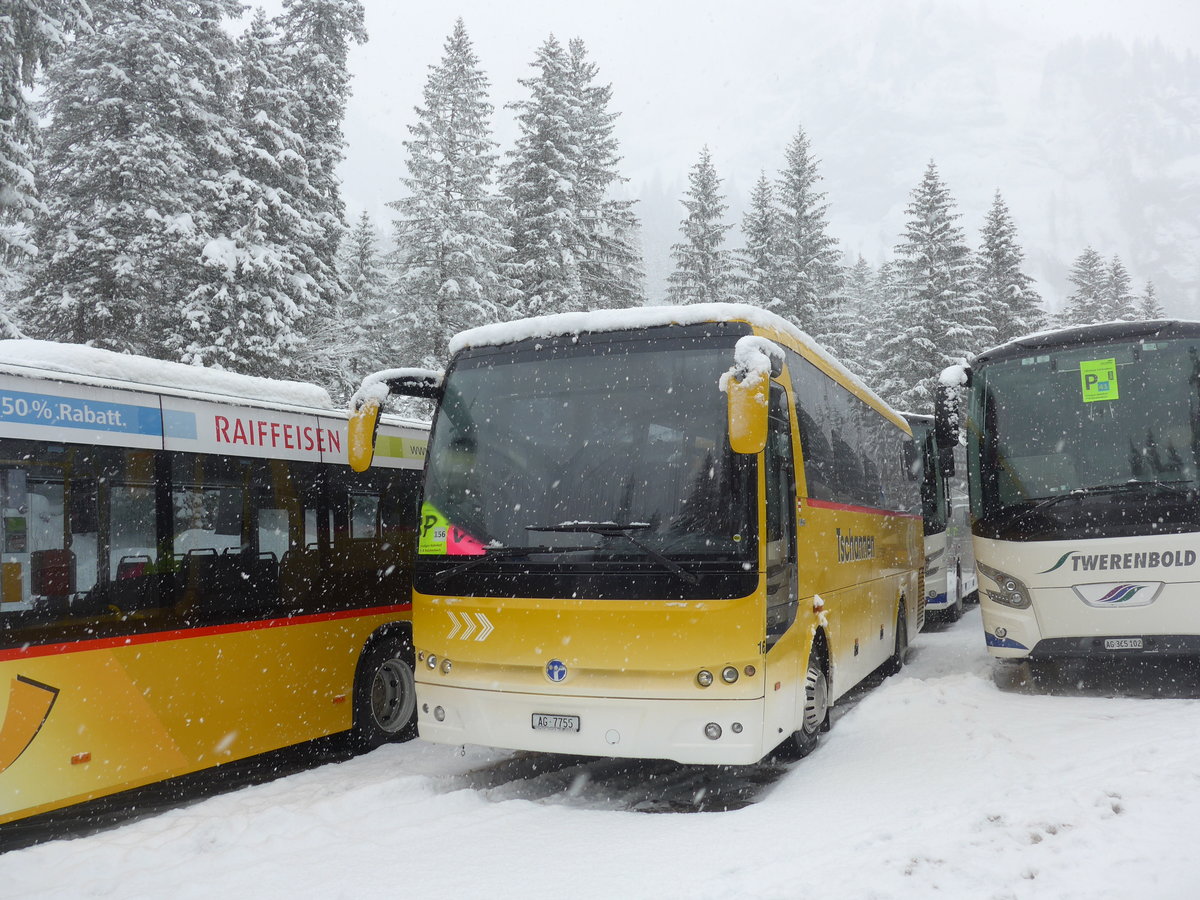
x=712, y=731
x=1012, y=591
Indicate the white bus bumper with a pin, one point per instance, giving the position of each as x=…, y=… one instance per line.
x=608, y=727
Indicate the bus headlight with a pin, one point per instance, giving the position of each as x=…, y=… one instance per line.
x=729, y=674
x=431, y=661
x=712, y=731
x=704, y=678
x=446, y=666
x=1012, y=591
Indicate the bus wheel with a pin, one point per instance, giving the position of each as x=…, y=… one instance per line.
x=954, y=612
x=385, y=695
x=895, y=662
x=816, y=705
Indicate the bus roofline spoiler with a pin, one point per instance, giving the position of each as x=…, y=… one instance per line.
x=368, y=401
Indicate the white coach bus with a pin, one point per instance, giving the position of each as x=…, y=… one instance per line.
x=949, y=561
x=1083, y=448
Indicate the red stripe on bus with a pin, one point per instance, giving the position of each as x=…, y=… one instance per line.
x=847, y=507
x=155, y=637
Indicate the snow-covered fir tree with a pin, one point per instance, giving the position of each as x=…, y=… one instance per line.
x=703, y=266
x=612, y=266
x=810, y=257
x=317, y=35
x=451, y=273
x=882, y=313
x=1013, y=306
x=377, y=340
x=846, y=322
x=138, y=140
x=362, y=268
x=31, y=31
x=244, y=315
x=1086, y=304
x=1148, y=306
x=937, y=319
x=760, y=262
x=573, y=248
x=540, y=179
x=1119, y=301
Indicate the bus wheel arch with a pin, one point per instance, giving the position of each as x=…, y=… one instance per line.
x=385, y=698
x=817, y=703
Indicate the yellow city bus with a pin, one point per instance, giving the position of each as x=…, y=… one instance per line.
x=672, y=532
x=189, y=573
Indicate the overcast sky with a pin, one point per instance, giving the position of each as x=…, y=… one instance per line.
x=681, y=71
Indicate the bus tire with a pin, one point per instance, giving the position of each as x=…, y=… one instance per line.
x=385, y=694
x=816, y=704
x=895, y=662
x=954, y=611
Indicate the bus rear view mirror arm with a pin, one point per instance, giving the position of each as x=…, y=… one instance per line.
x=423, y=383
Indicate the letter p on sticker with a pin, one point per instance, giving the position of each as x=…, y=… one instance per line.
x=1099, y=379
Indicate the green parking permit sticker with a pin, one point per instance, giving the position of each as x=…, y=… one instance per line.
x=1099, y=377
x=433, y=530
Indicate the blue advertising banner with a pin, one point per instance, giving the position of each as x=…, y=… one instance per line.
x=70, y=412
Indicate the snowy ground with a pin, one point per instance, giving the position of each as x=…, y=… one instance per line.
x=954, y=779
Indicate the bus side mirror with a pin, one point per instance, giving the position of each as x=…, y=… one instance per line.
x=747, y=387
x=947, y=426
x=747, y=408
x=360, y=434
x=367, y=403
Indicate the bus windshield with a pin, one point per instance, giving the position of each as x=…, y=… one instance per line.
x=1063, y=429
x=609, y=449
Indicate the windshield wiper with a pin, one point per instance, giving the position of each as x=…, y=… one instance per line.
x=1122, y=487
x=617, y=529
x=491, y=553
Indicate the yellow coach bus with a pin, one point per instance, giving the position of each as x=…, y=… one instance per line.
x=676, y=533
x=189, y=573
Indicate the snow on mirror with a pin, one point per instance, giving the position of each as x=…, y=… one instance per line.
x=747, y=385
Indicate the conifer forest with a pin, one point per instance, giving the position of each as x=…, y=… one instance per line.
x=168, y=187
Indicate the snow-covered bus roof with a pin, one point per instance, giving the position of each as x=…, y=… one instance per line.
x=649, y=317
x=77, y=362
x=1097, y=332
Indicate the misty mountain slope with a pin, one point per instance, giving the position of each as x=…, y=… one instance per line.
x=1092, y=142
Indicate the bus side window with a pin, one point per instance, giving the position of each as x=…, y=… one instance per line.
x=364, y=516
x=781, y=519
x=374, y=520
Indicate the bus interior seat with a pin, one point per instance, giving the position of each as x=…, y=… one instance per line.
x=297, y=574
x=133, y=566
x=52, y=572
x=136, y=586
